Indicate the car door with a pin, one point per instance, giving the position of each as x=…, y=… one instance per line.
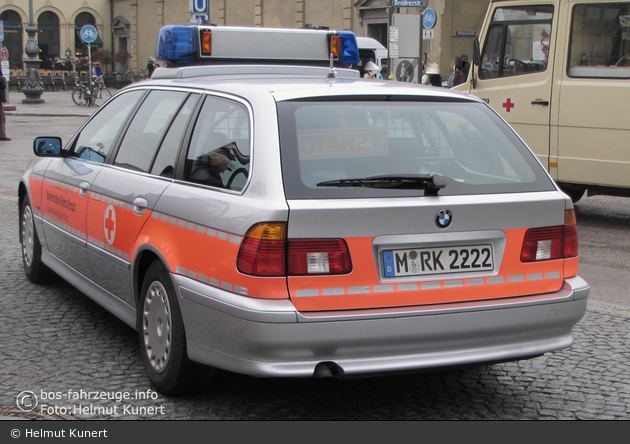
x=125, y=193
x=516, y=73
x=67, y=183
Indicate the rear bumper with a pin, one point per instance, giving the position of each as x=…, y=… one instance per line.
x=271, y=338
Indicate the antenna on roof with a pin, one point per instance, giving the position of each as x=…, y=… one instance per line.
x=333, y=42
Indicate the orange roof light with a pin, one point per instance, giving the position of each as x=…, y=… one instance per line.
x=206, y=42
x=335, y=45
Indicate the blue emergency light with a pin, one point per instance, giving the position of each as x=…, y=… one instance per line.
x=194, y=45
x=349, y=48
x=177, y=43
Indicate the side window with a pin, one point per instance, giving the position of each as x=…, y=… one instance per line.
x=149, y=125
x=218, y=154
x=600, y=41
x=517, y=42
x=97, y=137
x=165, y=161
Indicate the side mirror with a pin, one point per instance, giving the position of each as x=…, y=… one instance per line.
x=49, y=146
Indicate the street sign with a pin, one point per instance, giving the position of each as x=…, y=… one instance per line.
x=405, y=70
x=428, y=34
x=393, y=50
x=88, y=33
x=393, y=33
x=4, y=53
x=1, y=31
x=198, y=7
x=408, y=3
x=199, y=10
x=429, y=18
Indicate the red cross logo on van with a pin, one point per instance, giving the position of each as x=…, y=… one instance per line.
x=109, y=224
x=508, y=105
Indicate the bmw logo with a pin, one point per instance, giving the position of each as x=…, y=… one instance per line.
x=443, y=218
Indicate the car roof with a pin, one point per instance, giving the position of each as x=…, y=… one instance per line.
x=285, y=83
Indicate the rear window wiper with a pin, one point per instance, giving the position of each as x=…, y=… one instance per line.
x=431, y=183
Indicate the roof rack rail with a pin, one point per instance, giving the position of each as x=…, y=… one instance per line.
x=236, y=70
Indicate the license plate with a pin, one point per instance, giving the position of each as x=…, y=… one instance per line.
x=423, y=261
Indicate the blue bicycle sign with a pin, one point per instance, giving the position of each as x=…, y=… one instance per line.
x=88, y=33
x=429, y=18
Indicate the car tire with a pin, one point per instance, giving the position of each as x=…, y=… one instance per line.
x=34, y=268
x=162, y=335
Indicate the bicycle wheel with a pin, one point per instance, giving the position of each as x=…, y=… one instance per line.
x=93, y=99
x=104, y=94
x=77, y=96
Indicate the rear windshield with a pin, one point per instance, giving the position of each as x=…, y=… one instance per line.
x=329, y=146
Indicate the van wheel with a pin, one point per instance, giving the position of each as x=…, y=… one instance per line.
x=162, y=335
x=34, y=268
x=574, y=193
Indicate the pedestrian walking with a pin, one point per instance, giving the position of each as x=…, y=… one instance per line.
x=457, y=75
x=3, y=100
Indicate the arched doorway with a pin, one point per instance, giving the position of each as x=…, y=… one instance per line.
x=13, y=37
x=84, y=18
x=48, y=38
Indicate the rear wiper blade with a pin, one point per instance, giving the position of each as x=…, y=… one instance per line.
x=431, y=183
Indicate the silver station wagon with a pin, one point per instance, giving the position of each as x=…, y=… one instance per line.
x=299, y=221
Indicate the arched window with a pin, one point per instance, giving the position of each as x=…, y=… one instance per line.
x=48, y=38
x=84, y=18
x=13, y=37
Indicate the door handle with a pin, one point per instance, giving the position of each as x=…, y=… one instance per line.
x=140, y=205
x=540, y=102
x=84, y=187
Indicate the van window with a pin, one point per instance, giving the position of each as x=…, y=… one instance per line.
x=600, y=41
x=517, y=42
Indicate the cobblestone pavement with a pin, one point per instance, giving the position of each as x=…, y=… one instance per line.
x=57, y=342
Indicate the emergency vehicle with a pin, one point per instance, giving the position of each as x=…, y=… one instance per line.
x=559, y=72
x=372, y=50
x=299, y=221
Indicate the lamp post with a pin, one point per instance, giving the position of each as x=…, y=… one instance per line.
x=33, y=88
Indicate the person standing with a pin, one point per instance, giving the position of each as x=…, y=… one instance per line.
x=3, y=100
x=372, y=71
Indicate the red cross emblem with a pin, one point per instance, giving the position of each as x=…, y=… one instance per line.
x=508, y=105
x=109, y=224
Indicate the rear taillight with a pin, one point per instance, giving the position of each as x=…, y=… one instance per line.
x=264, y=252
x=318, y=256
x=549, y=243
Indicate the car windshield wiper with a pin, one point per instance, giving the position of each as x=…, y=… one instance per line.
x=431, y=183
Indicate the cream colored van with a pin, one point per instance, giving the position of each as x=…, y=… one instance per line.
x=559, y=72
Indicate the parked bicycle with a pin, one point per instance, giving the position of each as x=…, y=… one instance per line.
x=93, y=93
x=100, y=93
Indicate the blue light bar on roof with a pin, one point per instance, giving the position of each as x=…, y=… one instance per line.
x=349, y=47
x=177, y=43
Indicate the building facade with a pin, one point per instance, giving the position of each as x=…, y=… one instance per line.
x=128, y=28
x=458, y=21
x=59, y=24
